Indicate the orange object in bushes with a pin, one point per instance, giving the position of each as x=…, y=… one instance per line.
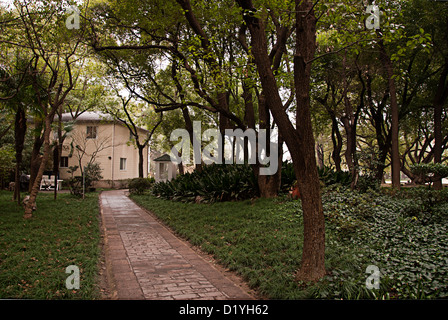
x=295, y=193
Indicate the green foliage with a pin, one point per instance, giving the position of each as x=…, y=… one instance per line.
x=92, y=173
x=329, y=176
x=367, y=183
x=214, y=183
x=346, y=210
x=7, y=161
x=428, y=170
x=288, y=176
x=425, y=205
x=140, y=185
x=410, y=250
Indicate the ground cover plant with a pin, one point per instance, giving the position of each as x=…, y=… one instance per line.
x=405, y=235
x=36, y=252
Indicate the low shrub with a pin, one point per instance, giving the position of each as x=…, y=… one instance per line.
x=216, y=182
x=78, y=184
x=329, y=176
x=346, y=210
x=140, y=185
x=426, y=171
x=367, y=183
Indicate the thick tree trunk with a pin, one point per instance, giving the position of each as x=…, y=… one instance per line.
x=313, y=254
x=300, y=142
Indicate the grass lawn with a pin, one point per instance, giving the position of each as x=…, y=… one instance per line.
x=36, y=252
x=262, y=241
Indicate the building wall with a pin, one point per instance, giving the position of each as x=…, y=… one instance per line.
x=112, y=142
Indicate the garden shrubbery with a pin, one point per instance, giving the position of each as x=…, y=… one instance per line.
x=216, y=182
x=327, y=176
x=80, y=184
x=140, y=185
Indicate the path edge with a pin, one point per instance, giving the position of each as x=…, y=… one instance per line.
x=107, y=277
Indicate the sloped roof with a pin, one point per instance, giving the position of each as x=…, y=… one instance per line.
x=164, y=157
x=91, y=116
x=88, y=116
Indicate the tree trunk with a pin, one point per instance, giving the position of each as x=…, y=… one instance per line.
x=36, y=184
x=36, y=158
x=268, y=185
x=58, y=154
x=350, y=122
x=300, y=142
x=336, y=138
x=189, y=128
x=19, y=133
x=439, y=100
x=141, y=161
x=377, y=120
x=313, y=254
x=395, y=152
x=56, y=159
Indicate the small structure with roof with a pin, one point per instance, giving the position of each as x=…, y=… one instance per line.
x=165, y=168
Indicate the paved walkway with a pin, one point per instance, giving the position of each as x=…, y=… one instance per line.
x=144, y=260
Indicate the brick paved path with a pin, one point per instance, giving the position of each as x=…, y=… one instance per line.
x=146, y=261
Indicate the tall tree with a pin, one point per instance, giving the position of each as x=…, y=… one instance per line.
x=55, y=50
x=300, y=140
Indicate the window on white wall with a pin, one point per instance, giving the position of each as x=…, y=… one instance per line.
x=122, y=164
x=64, y=162
x=91, y=132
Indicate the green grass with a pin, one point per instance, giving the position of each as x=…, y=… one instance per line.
x=36, y=252
x=251, y=238
x=262, y=241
